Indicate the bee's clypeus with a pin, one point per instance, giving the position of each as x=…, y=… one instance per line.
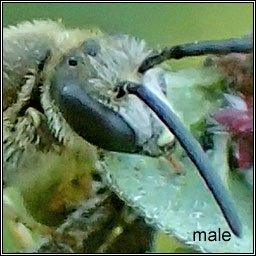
x=66, y=88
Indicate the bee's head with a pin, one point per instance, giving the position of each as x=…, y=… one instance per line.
x=81, y=98
x=82, y=93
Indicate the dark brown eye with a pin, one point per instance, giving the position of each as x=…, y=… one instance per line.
x=72, y=62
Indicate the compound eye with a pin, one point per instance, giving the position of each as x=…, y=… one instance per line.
x=91, y=47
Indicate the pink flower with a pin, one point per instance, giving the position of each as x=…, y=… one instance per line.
x=238, y=120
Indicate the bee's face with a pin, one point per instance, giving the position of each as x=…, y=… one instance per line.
x=83, y=88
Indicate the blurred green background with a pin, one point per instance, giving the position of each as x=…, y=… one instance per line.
x=160, y=24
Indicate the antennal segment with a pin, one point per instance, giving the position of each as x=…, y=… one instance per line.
x=238, y=45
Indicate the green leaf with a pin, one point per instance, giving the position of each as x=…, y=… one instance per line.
x=194, y=93
x=179, y=204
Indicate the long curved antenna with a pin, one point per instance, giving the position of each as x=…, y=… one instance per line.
x=192, y=148
x=238, y=45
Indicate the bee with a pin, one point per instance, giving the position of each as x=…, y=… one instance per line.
x=71, y=95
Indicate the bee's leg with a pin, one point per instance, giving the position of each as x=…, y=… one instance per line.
x=29, y=132
x=168, y=150
x=100, y=224
x=192, y=148
x=24, y=126
x=29, y=82
x=175, y=164
x=14, y=122
x=238, y=45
